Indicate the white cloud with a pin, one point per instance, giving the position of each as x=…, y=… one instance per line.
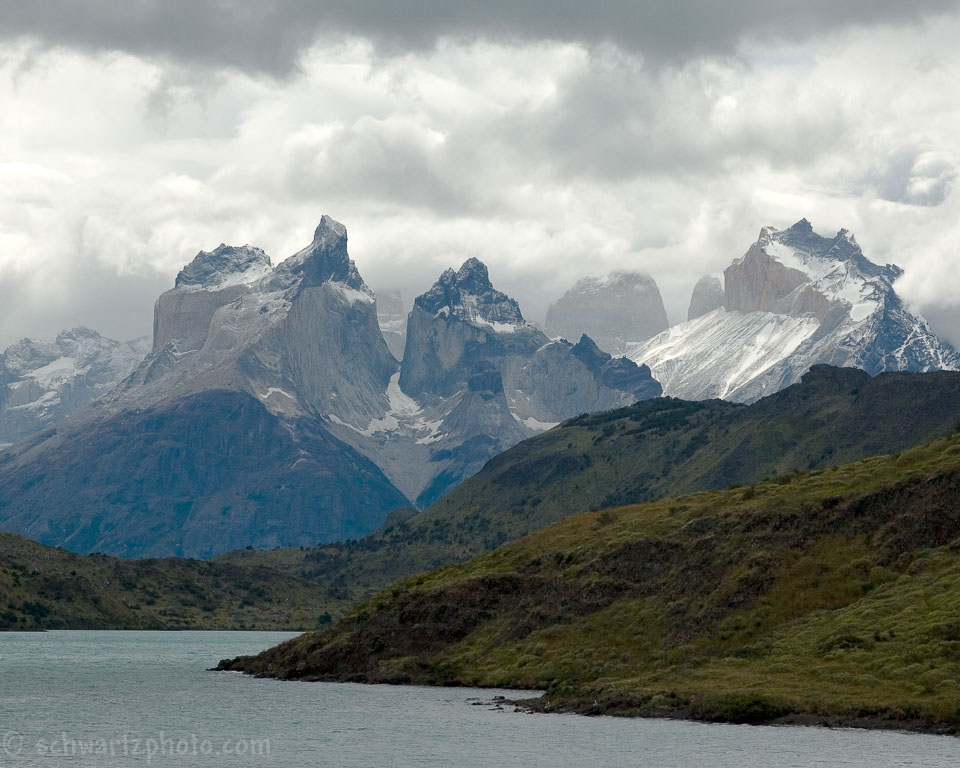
x=546, y=160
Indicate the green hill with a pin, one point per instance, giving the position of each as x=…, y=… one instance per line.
x=830, y=596
x=46, y=588
x=657, y=448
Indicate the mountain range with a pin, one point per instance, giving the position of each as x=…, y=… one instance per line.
x=276, y=408
x=271, y=412
x=42, y=383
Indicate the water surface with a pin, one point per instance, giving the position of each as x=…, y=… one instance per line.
x=105, y=699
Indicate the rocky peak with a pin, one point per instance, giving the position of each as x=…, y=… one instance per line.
x=224, y=265
x=707, y=296
x=796, y=271
x=617, y=373
x=460, y=320
x=468, y=295
x=614, y=310
x=841, y=248
x=78, y=334
x=588, y=353
x=325, y=259
x=800, y=299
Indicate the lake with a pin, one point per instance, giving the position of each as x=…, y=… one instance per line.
x=104, y=699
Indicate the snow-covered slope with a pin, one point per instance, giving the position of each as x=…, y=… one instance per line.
x=722, y=352
x=793, y=300
x=42, y=382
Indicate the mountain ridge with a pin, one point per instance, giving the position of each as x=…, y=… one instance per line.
x=293, y=353
x=653, y=449
x=793, y=300
x=828, y=597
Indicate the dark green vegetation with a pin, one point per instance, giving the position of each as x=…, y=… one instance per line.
x=46, y=588
x=654, y=449
x=827, y=596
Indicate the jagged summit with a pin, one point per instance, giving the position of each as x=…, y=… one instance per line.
x=224, y=265
x=468, y=294
x=326, y=258
x=330, y=231
x=842, y=247
x=796, y=271
x=793, y=300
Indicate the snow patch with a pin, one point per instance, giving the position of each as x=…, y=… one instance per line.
x=835, y=279
x=349, y=294
x=400, y=402
x=535, y=424
x=247, y=277
x=45, y=402
x=56, y=373
x=501, y=327
x=473, y=315
x=275, y=391
x=404, y=415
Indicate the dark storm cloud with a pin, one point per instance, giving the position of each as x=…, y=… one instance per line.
x=267, y=36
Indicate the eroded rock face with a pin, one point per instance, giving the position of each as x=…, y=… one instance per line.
x=303, y=336
x=563, y=380
x=758, y=282
x=476, y=378
x=42, y=383
x=707, y=296
x=794, y=300
x=460, y=321
x=614, y=311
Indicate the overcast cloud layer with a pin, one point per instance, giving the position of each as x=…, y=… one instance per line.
x=270, y=35
x=549, y=143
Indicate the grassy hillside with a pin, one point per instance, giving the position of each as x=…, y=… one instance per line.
x=828, y=596
x=46, y=588
x=657, y=448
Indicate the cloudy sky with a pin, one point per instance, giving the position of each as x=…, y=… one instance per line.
x=551, y=139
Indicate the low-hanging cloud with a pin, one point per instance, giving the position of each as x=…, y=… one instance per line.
x=547, y=160
x=269, y=36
